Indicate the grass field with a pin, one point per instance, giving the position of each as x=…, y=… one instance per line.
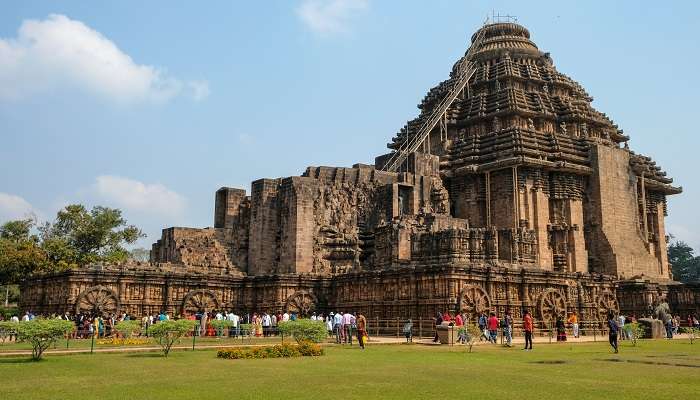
x=655, y=369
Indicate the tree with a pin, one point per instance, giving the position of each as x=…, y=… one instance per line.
x=128, y=328
x=472, y=334
x=140, y=254
x=220, y=325
x=304, y=330
x=80, y=237
x=684, y=264
x=20, y=253
x=635, y=331
x=169, y=332
x=693, y=333
x=42, y=333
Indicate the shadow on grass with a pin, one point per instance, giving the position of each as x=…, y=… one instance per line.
x=617, y=360
x=14, y=360
x=146, y=355
x=549, y=362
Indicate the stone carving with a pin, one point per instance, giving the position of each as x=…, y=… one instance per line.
x=492, y=201
x=98, y=300
x=551, y=305
x=302, y=303
x=473, y=300
x=606, y=302
x=199, y=301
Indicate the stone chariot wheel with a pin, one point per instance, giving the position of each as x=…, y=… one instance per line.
x=551, y=305
x=303, y=303
x=474, y=300
x=606, y=301
x=199, y=301
x=97, y=300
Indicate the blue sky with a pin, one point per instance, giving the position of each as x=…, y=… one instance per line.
x=152, y=106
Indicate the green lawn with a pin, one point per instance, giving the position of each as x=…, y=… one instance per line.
x=655, y=369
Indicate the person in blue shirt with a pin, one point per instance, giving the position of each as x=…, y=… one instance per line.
x=612, y=331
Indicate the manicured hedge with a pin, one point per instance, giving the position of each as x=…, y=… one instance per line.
x=303, y=349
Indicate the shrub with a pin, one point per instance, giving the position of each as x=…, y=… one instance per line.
x=7, y=328
x=634, y=331
x=42, y=333
x=128, y=328
x=304, y=330
x=221, y=325
x=693, y=333
x=472, y=333
x=169, y=332
x=285, y=350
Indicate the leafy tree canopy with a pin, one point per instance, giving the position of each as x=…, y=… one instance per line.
x=79, y=236
x=684, y=264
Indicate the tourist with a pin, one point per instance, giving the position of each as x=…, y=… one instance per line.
x=612, y=331
x=507, y=324
x=438, y=322
x=329, y=324
x=447, y=317
x=361, y=330
x=527, y=327
x=293, y=316
x=337, y=326
x=313, y=317
x=203, y=319
x=696, y=323
x=573, y=322
x=273, y=324
x=257, y=324
x=561, y=329
x=458, y=320
x=482, y=326
x=493, y=327
x=285, y=317
x=676, y=324
x=266, y=323
x=408, y=331
x=621, y=326
x=347, y=328
x=669, y=328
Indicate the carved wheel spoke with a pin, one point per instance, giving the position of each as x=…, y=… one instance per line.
x=97, y=300
x=552, y=304
x=473, y=300
x=199, y=301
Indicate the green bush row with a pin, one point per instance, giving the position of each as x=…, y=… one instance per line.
x=303, y=349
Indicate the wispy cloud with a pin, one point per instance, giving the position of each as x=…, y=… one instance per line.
x=15, y=207
x=60, y=52
x=133, y=195
x=328, y=17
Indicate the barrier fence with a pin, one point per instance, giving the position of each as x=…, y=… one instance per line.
x=245, y=334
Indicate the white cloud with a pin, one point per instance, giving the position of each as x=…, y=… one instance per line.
x=200, y=90
x=330, y=16
x=59, y=52
x=15, y=207
x=137, y=196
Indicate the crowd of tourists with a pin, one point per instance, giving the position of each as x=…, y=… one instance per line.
x=489, y=325
x=342, y=326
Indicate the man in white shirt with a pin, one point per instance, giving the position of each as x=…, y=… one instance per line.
x=234, y=320
x=219, y=317
x=266, y=322
x=347, y=328
x=285, y=317
x=25, y=317
x=337, y=327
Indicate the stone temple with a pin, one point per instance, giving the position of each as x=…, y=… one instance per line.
x=508, y=191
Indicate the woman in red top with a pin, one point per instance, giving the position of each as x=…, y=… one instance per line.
x=527, y=327
x=492, y=325
x=458, y=320
x=446, y=317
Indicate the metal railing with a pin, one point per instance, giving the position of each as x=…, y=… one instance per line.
x=413, y=141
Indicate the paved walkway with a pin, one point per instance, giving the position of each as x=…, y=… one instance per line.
x=383, y=340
